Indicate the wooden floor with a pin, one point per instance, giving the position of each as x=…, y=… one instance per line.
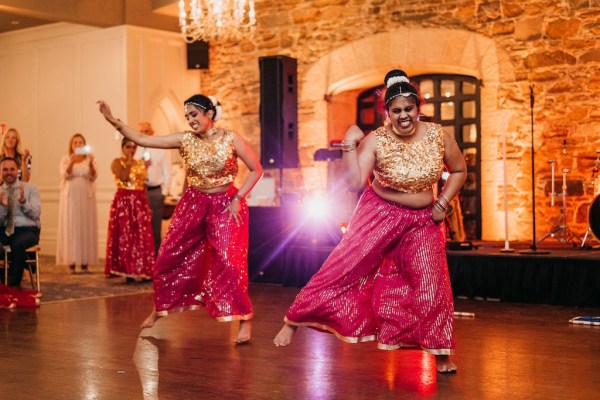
x=92, y=349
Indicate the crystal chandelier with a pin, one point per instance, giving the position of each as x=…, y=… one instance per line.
x=216, y=19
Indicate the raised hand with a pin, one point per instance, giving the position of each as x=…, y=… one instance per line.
x=104, y=109
x=21, y=193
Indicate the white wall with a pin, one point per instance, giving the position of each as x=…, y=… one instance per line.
x=50, y=80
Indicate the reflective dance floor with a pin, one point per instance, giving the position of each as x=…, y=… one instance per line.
x=93, y=349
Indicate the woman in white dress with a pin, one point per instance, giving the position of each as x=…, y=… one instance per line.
x=77, y=241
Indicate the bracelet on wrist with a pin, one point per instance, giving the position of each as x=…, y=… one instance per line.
x=237, y=197
x=444, y=198
x=442, y=204
x=348, y=147
x=120, y=127
x=440, y=207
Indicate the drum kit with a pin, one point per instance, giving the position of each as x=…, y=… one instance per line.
x=594, y=210
x=562, y=232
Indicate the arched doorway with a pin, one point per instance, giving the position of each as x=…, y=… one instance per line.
x=348, y=70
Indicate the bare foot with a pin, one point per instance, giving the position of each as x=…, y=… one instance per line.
x=150, y=319
x=444, y=365
x=284, y=337
x=244, y=333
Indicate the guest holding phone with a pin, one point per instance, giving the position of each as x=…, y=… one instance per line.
x=77, y=240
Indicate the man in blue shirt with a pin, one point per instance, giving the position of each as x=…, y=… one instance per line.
x=20, y=208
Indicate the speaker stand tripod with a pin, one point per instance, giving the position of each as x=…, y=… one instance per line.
x=562, y=232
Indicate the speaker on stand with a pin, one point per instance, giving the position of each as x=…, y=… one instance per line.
x=278, y=150
x=278, y=112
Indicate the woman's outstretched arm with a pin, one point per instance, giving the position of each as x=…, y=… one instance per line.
x=172, y=141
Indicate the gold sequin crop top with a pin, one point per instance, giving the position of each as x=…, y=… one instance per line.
x=209, y=164
x=409, y=167
x=137, y=176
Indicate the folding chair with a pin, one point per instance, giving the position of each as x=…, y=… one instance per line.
x=32, y=263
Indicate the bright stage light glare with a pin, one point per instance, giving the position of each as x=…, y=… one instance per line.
x=316, y=207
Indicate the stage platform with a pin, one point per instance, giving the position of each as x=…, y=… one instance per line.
x=558, y=275
x=285, y=250
x=562, y=275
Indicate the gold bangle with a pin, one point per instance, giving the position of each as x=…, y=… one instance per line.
x=443, y=196
x=348, y=147
x=440, y=207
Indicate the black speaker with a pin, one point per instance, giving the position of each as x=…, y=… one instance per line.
x=278, y=112
x=197, y=55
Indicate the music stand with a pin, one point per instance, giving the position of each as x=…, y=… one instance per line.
x=533, y=249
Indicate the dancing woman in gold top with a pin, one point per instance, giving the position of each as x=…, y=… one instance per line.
x=203, y=259
x=387, y=280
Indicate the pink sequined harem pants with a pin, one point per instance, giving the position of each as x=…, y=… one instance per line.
x=203, y=259
x=387, y=280
x=129, y=243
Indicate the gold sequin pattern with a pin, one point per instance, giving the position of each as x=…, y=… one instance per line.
x=209, y=164
x=137, y=176
x=410, y=167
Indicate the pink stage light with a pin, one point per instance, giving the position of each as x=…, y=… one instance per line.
x=316, y=207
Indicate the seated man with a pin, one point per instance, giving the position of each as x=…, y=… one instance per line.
x=20, y=208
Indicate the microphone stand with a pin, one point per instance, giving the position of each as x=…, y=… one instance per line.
x=506, y=248
x=533, y=248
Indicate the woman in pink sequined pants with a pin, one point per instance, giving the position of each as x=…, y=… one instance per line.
x=211, y=253
x=203, y=259
x=402, y=299
x=387, y=280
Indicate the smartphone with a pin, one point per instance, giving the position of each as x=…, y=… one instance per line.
x=81, y=151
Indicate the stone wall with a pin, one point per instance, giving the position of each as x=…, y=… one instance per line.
x=547, y=48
